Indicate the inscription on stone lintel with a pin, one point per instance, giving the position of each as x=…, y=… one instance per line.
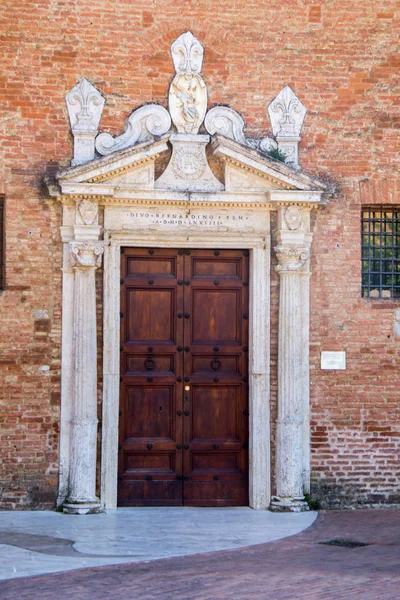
x=160, y=218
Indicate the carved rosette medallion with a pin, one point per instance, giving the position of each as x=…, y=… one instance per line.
x=188, y=93
x=291, y=258
x=189, y=163
x=86, y=255
x=88, y=210
x=293, y=218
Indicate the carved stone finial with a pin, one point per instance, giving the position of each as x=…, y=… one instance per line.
x=85, y=105
x=287, y=113
x=144, y=124
x=187, y=54
x=86, y=255
x=188, y=93
x=291, y=258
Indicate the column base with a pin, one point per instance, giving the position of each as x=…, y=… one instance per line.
x=288, y=504
x=82, y=507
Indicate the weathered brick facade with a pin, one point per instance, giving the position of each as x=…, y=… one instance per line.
x=342, y=60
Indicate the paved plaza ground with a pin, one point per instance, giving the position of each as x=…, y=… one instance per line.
x=298, y=567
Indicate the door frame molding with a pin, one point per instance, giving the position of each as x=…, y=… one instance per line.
x=259, y=246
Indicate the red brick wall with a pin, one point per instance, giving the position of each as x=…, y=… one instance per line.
x=341, y=58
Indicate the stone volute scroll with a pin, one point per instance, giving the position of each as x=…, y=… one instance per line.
x=85, y=105
x=145, y=124
x=287, y=113
x=227, y=122
x=188, y=93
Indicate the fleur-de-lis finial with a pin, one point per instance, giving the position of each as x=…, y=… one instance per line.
x=85, y=105
x=187, y=94
x=286, y=114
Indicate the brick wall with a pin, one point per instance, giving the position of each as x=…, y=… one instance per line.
x=342, y=60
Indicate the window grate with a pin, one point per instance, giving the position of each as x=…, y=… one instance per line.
x=2, y=227
x=380, y=254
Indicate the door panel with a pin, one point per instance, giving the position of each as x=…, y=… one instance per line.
x=184, y=397
x=149, y=411
x=215, y=316
x=150, y=314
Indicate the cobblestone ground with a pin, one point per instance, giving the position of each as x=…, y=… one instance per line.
x=296, y=568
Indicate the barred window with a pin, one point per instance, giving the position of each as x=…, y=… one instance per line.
x=2, y=278
x=381, y=252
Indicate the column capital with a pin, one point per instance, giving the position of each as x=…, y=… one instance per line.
x=291, y=258
x=86, y=255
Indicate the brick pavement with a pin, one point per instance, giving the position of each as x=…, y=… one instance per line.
x=295, y=568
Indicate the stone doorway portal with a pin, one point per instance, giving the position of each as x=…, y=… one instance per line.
x=183, y=429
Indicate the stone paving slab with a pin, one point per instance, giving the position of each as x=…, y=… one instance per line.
x=33, y=543
x=294, y=568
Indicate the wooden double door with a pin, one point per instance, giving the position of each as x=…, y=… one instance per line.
x=183, y=432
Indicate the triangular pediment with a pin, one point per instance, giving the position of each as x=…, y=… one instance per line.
x=132, y=165
x=244, y=170
x=251, y=169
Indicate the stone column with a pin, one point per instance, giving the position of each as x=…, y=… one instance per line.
x=86, y=258
x=293, y=255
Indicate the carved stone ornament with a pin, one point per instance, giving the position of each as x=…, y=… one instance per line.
x=226, y=122
x=144, y=124
x=86, y=254
x=189, y=163
x=267, y=144
x=88, y=210
x=229, y=123
x=293, y=218
x=286, y=114
x=188, y=93
x=85, y=105
x=291, y=258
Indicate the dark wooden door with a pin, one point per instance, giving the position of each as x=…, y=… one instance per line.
x=183, y=435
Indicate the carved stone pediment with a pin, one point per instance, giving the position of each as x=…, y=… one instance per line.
x=244, y=171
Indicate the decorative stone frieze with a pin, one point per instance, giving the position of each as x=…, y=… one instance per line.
x=85, y=105
x=287, y=113
x=188, y=93
x=145, y=124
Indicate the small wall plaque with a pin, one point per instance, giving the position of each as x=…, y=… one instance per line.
x=333, y=361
